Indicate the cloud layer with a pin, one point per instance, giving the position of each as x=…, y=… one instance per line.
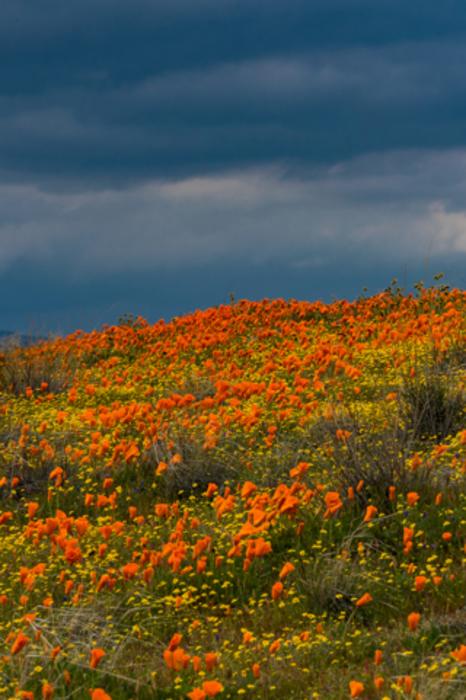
x=173, y=137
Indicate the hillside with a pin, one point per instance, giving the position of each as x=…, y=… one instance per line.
x=10, y=338
x=260, y=500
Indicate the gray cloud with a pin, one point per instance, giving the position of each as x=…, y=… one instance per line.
x=301, y=109
x=261, y=144
x=389, y=206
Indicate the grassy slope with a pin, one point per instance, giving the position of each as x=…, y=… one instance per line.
x=155, y=480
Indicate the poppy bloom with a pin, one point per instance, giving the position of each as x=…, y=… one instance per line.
x=47, y=691
x=196, y=662
x=32, y=508
x=161, y=468
x=96, y=657
x=364, y=600
x=406, y=682
x=99, y=694
x=58, y=475
x=412, y=498
x=459, y=654
x=72, y=554
x=285, y=570
x=378, y=657
x=201, y=565
x=67, y=677
x=419, y=583
x=371, y=511
x=212, y=688
x=130, y=570
x=55, y=651
x=277, y=590
x=5, y=517
x=211, y=489
x=300, y=469
x=413, y=620
x=175, y=641
x=356, y=688
x=177, y=659
x=333, y=503
x=247, y=637
x=162, y=510
x=19, y=643
x=248, y=489
x=197, y=694
x=211, y=660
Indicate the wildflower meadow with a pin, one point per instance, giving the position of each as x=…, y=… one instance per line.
x=260, y=500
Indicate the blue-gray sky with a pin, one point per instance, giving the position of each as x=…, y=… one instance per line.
x=156, y=155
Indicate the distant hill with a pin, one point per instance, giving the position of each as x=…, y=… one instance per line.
x=20, y=338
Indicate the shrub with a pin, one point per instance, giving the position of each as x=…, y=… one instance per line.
x=37, y=367
x=380, y=458
x=195, y=467
x=329, y=585
x=431, y=406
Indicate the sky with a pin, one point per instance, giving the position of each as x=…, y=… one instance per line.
x=157, y=156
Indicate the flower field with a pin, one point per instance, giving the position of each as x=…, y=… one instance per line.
x=261, y=500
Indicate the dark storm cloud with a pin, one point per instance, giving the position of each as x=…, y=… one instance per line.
x=157, y=154
x=113, y=91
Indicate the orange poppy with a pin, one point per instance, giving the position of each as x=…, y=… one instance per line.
x=371, y=511
x=364, y=600
x=100, y=694
x=211, y=660
x=19, y=643
x=459, y=654
x=97, y=655
x=356, y=688
x=47, y=691
x=413, y=620
x=212, y=688
x=197, y=694
x=277, y=590
x=333, y=503
x=285, y=570
x=412, y=498
x=175, y=641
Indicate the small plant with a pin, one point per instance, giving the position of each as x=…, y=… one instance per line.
x=380, y=460
x=329, y=585
x=191, y=467
x=34, y=368
x=431, y=407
